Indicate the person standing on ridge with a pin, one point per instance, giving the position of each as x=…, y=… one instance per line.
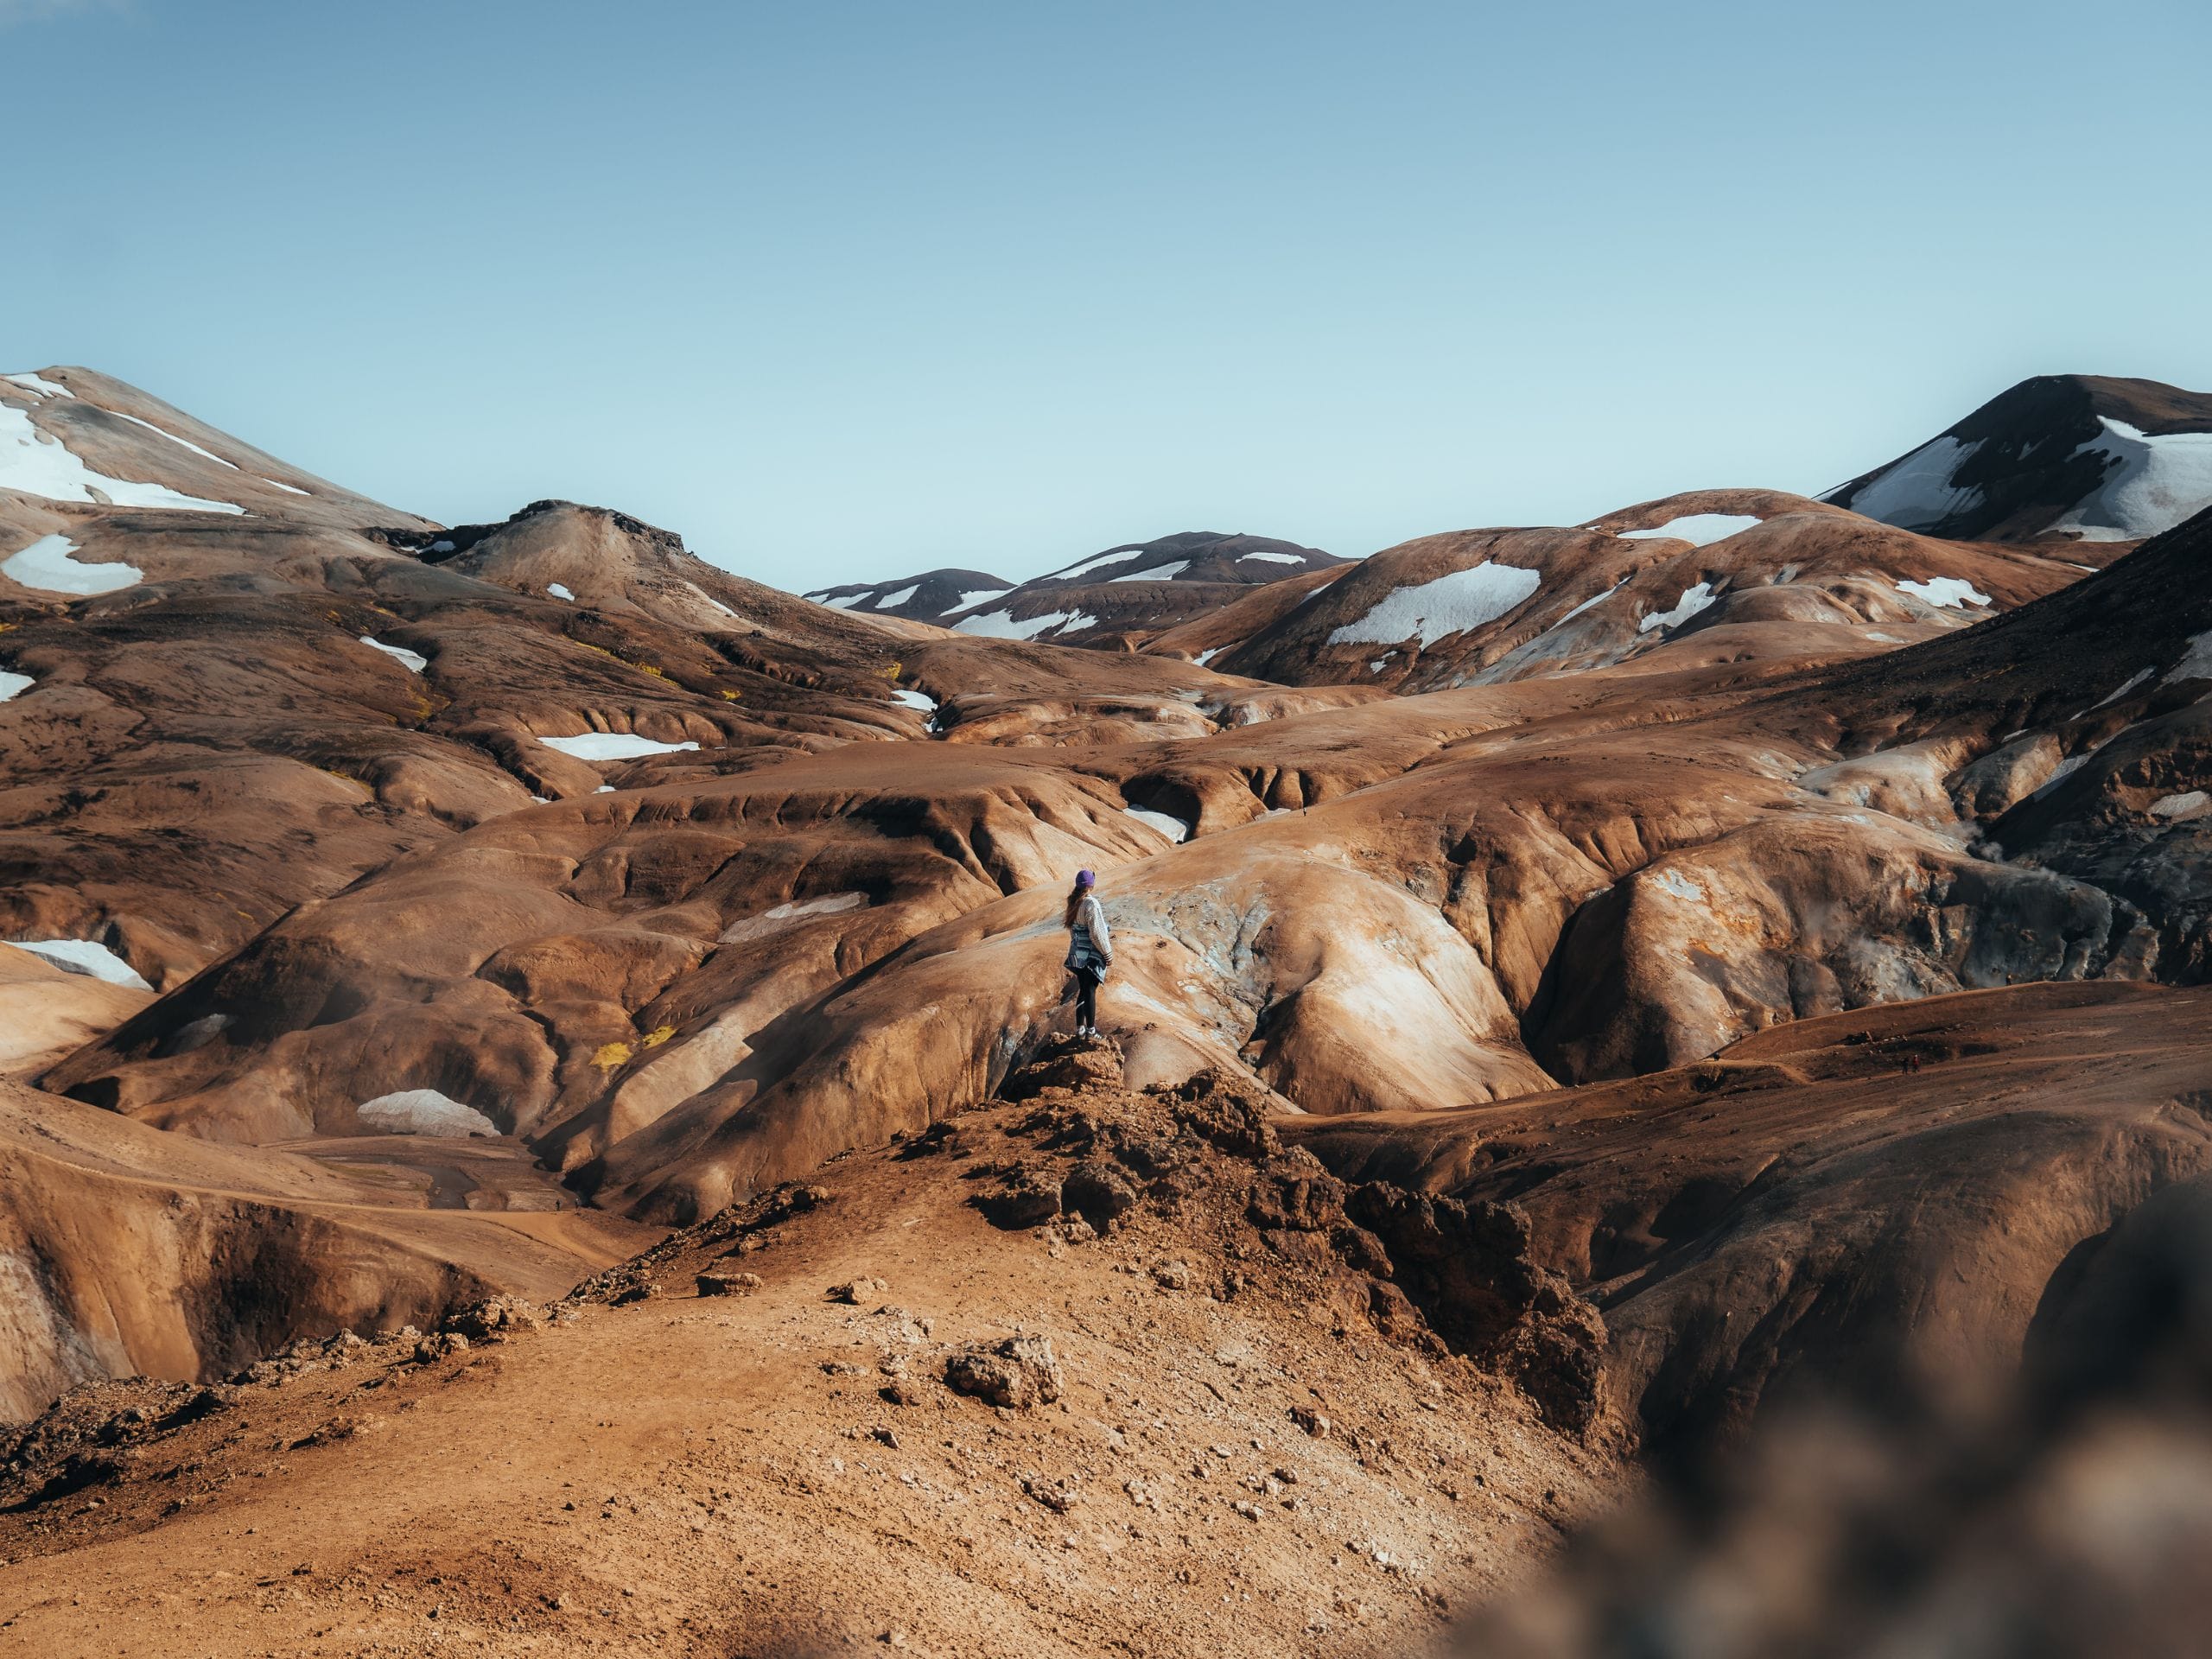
x=1091, y=949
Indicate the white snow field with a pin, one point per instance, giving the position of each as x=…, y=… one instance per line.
x=46, y=565
x=2155, y=483
x=163, y=432
x=560, y=590
x=414, y=659
x=2195, y=663
x=920, y=700
x=424, y=1111
x=84, y=956
x=1695, y=599
x=289, y=489
x=1001, y=624
x=892, y=602
x=1168, y=823
x=40, y=384
x=39, y=464
x=612, y=746
x=1208, y=655
x=1121, y=555
x=1272, y=558
x=11, y=684
x=1917, y=492
x=976, y=598
x=1450, y=604
x=1158, y=572
x=1954, y=592
x=1698, y=529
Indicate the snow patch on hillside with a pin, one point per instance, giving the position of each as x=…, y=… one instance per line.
x=38, y=384
x=1273, y=558
x=2150, y=483
x=163, y=432
x=85, y=957
x=1001, y=624
x=612, y=746
x=1954, y=592
x=38, y=463
x=2195, y=663
x=1436, y=610
x=892, y=602
x=1917, y=492
x=414, y=659
x=1119, y=555
x=1173, y=827
x=11, y=684
x=559, y=590
x=1698, y=529
x=920, y=700
x=47, y=564
x=424, y=1111
x=975, y=598
x=704, y=596
x=1693, y=599
x=1158, y=572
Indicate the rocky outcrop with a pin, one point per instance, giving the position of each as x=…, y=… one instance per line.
x=1454, y=1277
x=1872, y=1201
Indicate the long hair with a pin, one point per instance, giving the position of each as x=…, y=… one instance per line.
x=1076, y=896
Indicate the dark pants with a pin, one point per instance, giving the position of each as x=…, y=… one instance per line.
x=1086, y=997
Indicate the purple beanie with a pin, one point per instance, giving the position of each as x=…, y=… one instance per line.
x=1085, y=878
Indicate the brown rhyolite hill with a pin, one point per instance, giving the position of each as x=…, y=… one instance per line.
x=1732, y=575
x=1748, y=951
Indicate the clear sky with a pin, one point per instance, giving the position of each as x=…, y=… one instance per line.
x=844, y=289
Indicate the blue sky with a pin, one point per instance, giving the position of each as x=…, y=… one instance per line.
x=841, y=289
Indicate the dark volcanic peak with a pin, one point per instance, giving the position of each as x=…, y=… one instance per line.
x=1194, y=556
x=2083, y=456
x=927, y=598
x=1130, y=594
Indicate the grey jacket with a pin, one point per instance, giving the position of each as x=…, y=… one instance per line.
x=1091, y=945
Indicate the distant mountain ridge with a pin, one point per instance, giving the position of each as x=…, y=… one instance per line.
x=1128, y=594
x=930, y=597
